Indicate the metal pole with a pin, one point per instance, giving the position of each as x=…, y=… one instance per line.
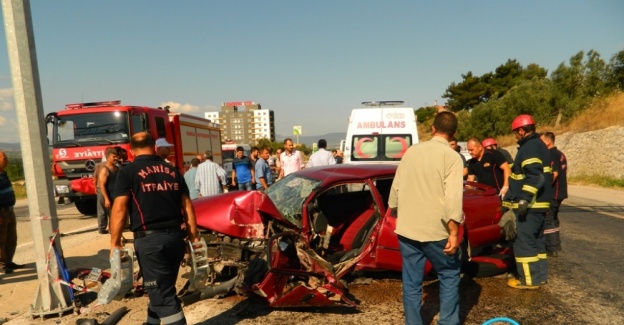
x=50, y=297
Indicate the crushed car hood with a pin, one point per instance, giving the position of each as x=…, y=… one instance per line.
x=239, y=214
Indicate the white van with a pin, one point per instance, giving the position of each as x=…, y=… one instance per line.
x=380, y=131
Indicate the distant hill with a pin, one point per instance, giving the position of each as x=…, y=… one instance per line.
x=333, y=139
x=5, y=146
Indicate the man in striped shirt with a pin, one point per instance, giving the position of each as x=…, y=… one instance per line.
x=210, y=177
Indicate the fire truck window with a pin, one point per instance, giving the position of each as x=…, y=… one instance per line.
x=137, y=124
x=160, y=127
x=65, y=130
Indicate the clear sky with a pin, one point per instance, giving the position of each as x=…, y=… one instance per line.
x=309, y=61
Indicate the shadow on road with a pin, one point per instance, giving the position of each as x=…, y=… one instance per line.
x=28, y=273
x=469, y=294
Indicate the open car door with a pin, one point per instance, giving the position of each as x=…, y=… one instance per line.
x=298, y=277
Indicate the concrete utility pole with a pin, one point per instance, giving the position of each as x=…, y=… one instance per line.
x=51, y=297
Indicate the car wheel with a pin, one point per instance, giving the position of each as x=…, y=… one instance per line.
x=86, y=206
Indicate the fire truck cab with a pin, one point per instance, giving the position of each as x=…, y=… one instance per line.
x=80, y=134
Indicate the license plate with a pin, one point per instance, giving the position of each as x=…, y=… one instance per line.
x=94, y=275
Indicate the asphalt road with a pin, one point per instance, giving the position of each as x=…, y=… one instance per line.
x=585, y=282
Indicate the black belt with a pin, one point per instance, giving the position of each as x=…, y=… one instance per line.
x=143, y=233
x=6, y=208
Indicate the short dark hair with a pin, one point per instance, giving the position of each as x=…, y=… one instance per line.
x=550, y=136
x=254, y=148
x=111, y=151
x=208, y=154
x=287, y=139
x=322, y=143
x=528, y=128
x=239, y=148
x=142, y=140
x=194, y=162
x=445, y=123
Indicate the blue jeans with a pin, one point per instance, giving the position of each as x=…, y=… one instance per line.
x=245, y=186
x=414, y=254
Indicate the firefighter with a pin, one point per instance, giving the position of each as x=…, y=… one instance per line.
x=529, y=196
x=560, y=192
x=158, y=199
x=491, y=144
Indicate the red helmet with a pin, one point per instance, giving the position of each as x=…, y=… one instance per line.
x=522, y=120
x=489, y=142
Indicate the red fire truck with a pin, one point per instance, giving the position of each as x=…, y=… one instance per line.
x=80, y=134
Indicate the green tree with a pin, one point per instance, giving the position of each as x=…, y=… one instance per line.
x=577, y=84
x=493, y=118
x=425, y=113
x=475, y=90
x=466, y=94
x=15, y=169
x=616, y=71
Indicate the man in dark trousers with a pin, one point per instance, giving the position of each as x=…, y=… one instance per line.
x=427, y=195
x=105, y=186
x=157, y=197
x=8, y=223
x=529, y=196
x=559, y=166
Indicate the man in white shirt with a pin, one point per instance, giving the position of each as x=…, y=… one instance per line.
x=290, y=159
x=321, y=157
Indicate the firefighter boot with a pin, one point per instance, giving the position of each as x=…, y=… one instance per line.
x=515, y=283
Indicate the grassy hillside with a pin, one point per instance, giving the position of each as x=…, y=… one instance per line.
x=601, y=114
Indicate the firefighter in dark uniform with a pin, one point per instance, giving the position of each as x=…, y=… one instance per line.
x=491, y=144
x=156, y=195
x=529, y=196
x=559, y=166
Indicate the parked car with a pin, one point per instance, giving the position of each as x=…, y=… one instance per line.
x=294, y=242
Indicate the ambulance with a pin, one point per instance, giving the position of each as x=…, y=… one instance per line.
x=380, y=132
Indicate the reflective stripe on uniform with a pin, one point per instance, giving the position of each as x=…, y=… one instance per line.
x=530, y=189
x=524, y=261
x=538, y=205
x=173, y=318
x=547, y=169
x=542, y=256
x=531, y=161
x=517, y=176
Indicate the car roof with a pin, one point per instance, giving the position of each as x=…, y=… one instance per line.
x=341, y=172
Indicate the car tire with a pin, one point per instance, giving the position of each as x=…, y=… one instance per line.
x=86, y=206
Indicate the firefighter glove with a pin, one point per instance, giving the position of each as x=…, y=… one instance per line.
x=523, y=208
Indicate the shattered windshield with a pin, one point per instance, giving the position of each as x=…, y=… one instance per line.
x=289, y=194
x=102, y=128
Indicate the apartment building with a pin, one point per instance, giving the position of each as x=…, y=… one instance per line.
x=244, y=122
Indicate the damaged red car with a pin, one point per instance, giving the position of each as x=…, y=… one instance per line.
x=293, y=243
